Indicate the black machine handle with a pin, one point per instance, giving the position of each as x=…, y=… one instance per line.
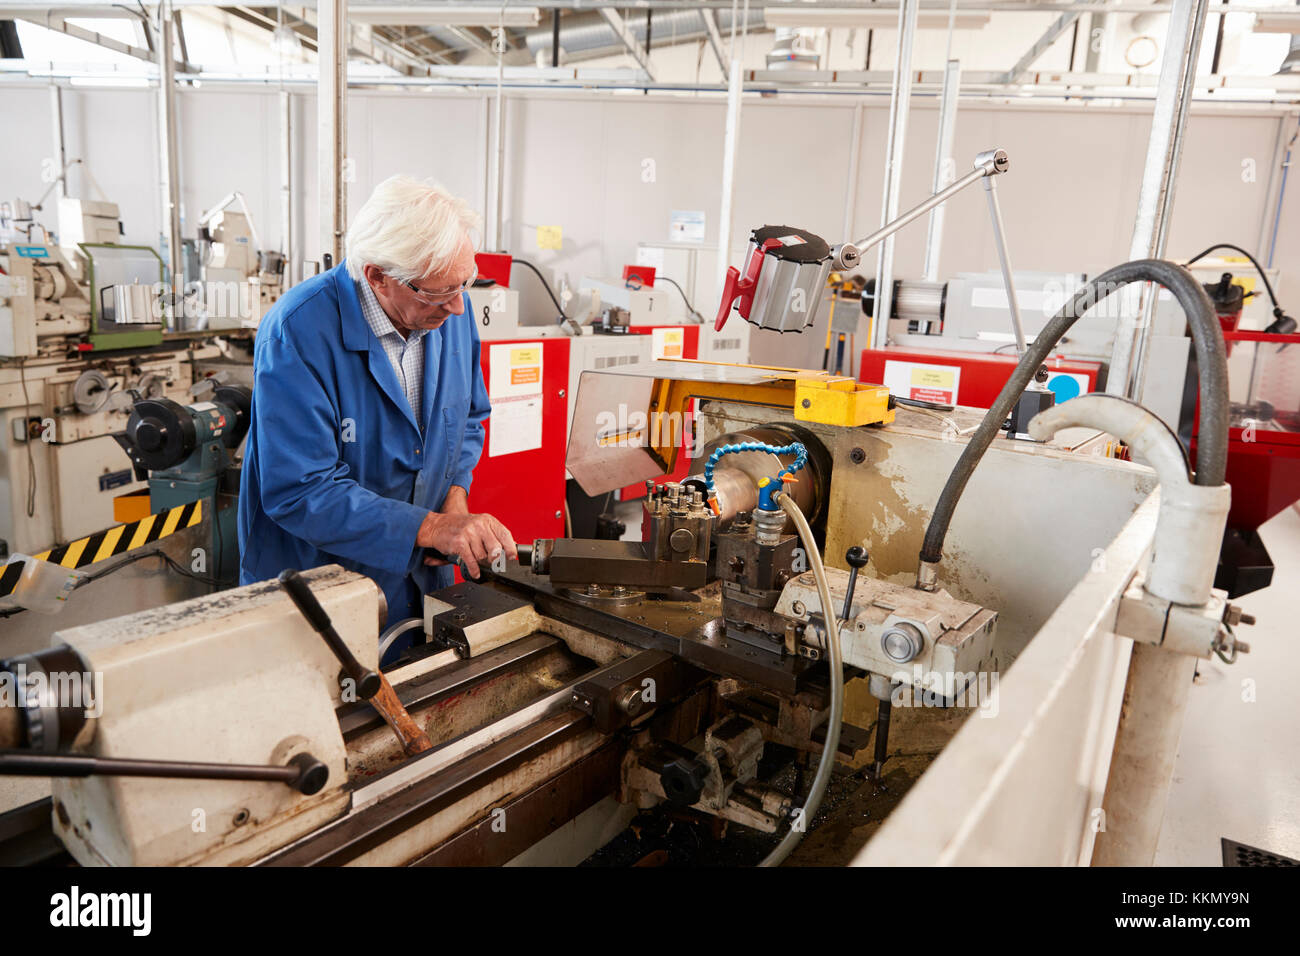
x=367, y=681
x=304, y=772
x=856, y=558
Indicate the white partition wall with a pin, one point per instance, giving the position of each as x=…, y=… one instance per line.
x=610, y=169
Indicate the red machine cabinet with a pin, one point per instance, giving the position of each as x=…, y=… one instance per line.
x=973, y=379
x=522, y=483
x=1264, y=460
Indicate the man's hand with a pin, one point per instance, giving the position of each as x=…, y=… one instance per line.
x=472, y=538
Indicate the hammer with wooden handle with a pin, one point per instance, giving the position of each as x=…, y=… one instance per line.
x=371, y=685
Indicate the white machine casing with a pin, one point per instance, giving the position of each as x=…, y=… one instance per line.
x=643, y=306
x=500, y=307
x=237, y=677
x=88, y=220
x=957, y=637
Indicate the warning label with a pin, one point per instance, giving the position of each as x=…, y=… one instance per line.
x=667, y=343
x=528, y=375
x=923, y=381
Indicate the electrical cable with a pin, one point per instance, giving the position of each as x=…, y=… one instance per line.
x=1277, y=309
x=1219, y=650
x=1281, y=195
x=545, y=285
x=170, y=562
x=1212, y=364
x=922, y=403
x=830, y=746
x=690, y=308
x=948, y=423
x=933, y=414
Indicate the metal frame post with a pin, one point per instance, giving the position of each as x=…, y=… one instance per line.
x=735, y=87
x=287, y=237
x=1156, y=198
x=169, y=192
x=899, y=103
x=60, y=149
x=331, y=122
x=942, y=157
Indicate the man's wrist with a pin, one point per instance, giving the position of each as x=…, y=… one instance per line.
x=428, y=528
x=456, y=502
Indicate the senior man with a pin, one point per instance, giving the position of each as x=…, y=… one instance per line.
x=368, y=408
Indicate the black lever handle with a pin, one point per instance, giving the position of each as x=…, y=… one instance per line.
x=856, y=558
x=366, y=680
x=303, y=773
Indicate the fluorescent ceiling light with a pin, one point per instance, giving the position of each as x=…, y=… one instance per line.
x=801, y=16
x=421, y=15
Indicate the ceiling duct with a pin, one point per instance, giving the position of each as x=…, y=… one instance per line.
x=585, y=35
x=443, y=14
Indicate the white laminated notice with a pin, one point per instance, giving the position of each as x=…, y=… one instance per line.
x=515, y=389
x=928, y=382
x=667, y=343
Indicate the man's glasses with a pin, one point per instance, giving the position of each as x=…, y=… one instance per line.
x=443, y=297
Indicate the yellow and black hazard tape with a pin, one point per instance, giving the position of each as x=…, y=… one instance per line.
x=113, y=541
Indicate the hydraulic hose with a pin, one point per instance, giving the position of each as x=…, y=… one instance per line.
x=836, y=663
x=1212, y=363
x=1189, y=526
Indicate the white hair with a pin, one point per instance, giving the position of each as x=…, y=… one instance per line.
x=410, y=229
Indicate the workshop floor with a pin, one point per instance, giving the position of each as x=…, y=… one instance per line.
x=1238, y=769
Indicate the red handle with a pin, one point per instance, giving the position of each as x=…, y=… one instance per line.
x=734, y=286
x=730, y=289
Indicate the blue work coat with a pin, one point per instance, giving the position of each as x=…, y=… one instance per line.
x=336, y=469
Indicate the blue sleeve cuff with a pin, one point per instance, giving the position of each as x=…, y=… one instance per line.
x=463, y=479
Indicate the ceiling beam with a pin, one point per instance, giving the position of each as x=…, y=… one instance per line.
x=180, y=38
x=625, y=35
x=364, y=43
x=98, y=39
x=715, y=39
x=381, y=51
x=1041, y=46
x=472, y=40
x=305, y=32
x=420, y=44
